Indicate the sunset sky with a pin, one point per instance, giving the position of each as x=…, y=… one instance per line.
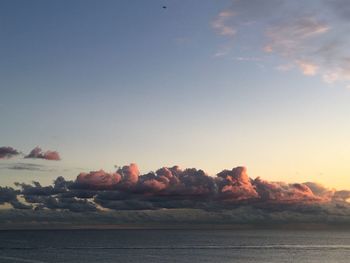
x=205, y=84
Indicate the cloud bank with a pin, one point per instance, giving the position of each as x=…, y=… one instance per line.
x=172, y=195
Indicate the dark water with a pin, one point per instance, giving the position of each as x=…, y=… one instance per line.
x=174, y=246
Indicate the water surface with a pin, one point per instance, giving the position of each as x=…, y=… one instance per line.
x=107, y=246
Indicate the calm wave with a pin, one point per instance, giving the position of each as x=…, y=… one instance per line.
x=174, y=246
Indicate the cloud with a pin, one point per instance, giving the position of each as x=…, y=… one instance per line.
x=286, y=193
x=57, y=197
x=312, y=36
x=26, y=166
x=236, y=184
x=63, y=203
x=343, y=195
x=292, y=37
x=170, y=188
x=97, y=180
x=37, y=153
x=9, y=195
x=248, y=58
x=8, y=152
x=307, y=68
x=333, y=216
x=60, y=185
x=194, y=197
x=130, y=174
x=320, y=190
x=221, y=23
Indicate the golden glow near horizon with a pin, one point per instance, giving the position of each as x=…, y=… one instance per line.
x=234, y=84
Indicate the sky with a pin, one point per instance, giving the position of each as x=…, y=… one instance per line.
x=205, y=84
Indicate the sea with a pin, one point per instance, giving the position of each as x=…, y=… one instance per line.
x=135, y=245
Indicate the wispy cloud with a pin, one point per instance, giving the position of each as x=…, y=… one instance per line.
x=247, y=58
x=221, y=23
x=294, y=38
x=310, y=36
x=307, y=68
x=26, y=167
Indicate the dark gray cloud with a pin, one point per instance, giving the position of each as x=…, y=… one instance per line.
x=331, y=215
x=8, y=152
x=26, y=167
x=63, y=203
x=9, y=195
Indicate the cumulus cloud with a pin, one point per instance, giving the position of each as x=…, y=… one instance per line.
x=8, y=152
x=286, y=193
x=97, y=180
x=37, y=153
x=172, y=195
x=60, y=185
x=236, y=184
x=130, y=174
x=343, y=195
x=9, y=195
x=170, y=188
x=311, y=36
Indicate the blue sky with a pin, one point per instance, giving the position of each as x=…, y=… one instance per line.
x=203, y=84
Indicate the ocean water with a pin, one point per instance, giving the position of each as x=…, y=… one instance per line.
x=104, y=246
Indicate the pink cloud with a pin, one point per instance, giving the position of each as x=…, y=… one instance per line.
x=236, y=184
x=229, y=185
x=37, y=153
x=98, y=179
x=130, y=174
